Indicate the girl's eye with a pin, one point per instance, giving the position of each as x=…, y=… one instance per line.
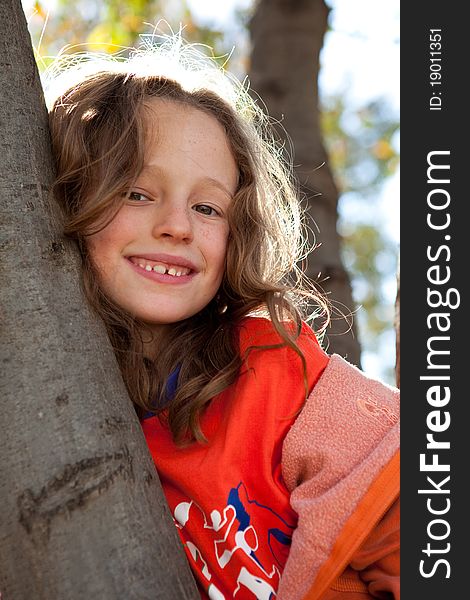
x=207, y=210
x=137, y=197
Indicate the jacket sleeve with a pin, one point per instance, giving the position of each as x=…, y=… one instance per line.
x=374, y=570
x=378, y=559
x=341, y=464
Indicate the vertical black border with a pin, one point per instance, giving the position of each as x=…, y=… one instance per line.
x=424, y=131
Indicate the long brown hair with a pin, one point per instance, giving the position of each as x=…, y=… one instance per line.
x=98, y=136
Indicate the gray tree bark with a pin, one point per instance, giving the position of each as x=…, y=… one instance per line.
x=82, y=510
x=287, y=36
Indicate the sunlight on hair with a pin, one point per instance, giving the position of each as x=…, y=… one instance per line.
x=165, y=55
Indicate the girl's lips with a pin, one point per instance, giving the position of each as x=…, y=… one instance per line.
x=167, y=259
x=160, y=277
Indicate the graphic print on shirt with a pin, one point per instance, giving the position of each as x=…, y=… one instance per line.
x=250, y=543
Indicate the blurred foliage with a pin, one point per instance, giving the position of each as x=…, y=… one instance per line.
x=359, y=142
x=111, y=25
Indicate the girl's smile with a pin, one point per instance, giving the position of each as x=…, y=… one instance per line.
x=162, y=257
x=164, y=268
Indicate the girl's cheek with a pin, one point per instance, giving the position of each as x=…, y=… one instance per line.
x=98, y=248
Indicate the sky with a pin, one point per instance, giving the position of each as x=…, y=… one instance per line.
x=360, y=53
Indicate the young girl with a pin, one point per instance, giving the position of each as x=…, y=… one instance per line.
x=279, y=463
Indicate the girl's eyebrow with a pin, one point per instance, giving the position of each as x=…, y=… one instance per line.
x=215, y=183
x=156, y=170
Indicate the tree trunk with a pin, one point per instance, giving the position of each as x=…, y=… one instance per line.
x=83, y=514
x=287, y=36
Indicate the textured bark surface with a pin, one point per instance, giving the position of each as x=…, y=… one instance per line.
x=287, y=36
x=83, y=514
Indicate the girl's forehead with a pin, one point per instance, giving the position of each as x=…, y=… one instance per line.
x=180, y=136
x=168, y=110
x=168, y=121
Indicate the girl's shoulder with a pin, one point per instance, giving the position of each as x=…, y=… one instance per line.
x=263, y=349
x=257, y=331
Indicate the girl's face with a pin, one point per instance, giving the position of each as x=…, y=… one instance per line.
x=162, y=257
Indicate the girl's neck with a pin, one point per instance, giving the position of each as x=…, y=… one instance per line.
x=153, y=339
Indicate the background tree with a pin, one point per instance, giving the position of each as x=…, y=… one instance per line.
x=83, y=513
x=361, y=146
x=287, y=36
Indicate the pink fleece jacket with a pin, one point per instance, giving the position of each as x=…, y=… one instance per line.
x=340, y=463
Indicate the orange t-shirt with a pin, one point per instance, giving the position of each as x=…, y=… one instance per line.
x=228, y=498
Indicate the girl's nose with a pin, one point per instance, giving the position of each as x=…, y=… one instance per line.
x=173, y=222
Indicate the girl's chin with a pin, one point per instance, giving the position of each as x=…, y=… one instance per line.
x=157, y=323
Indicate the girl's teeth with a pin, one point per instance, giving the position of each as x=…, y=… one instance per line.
x=161, y=269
